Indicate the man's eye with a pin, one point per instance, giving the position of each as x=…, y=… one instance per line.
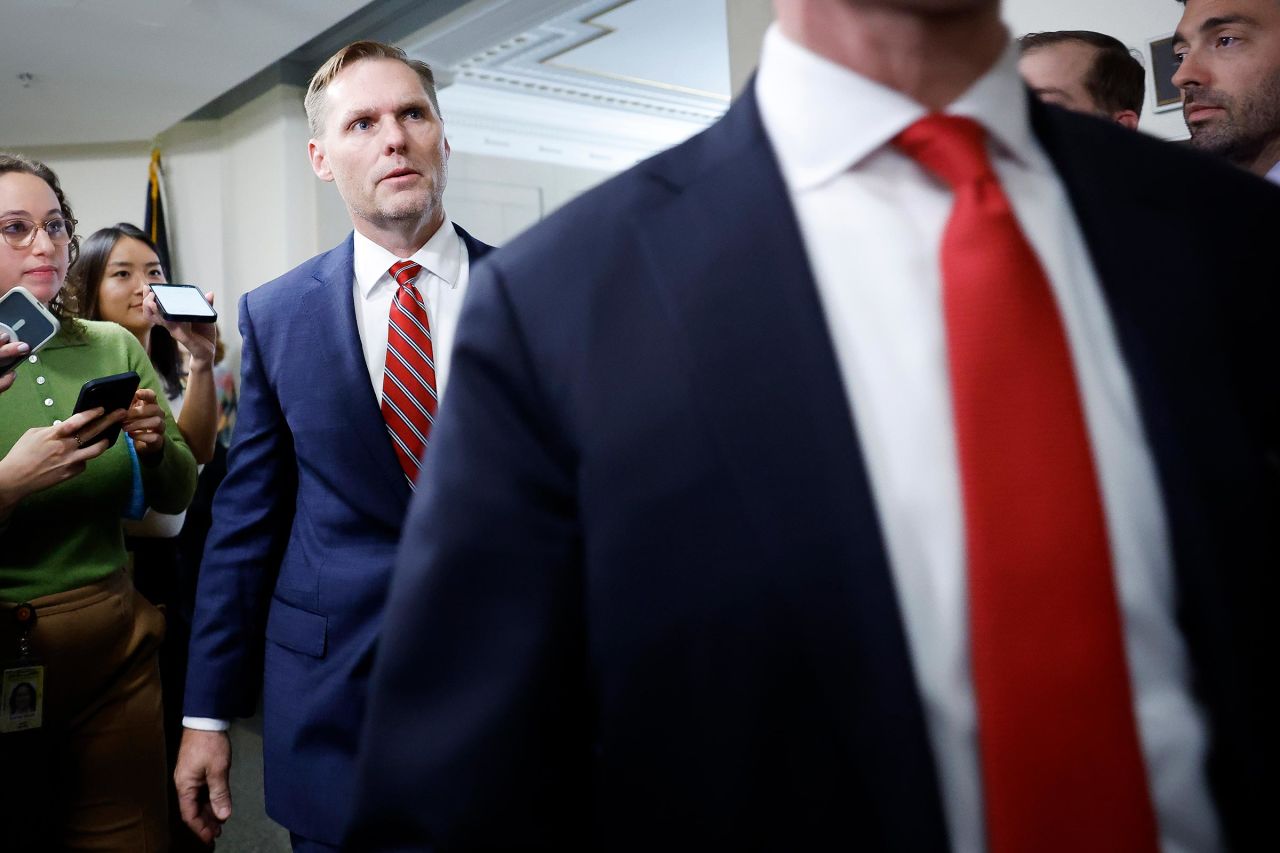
x=17, y=227
x=1227, y=41
x=414, y=114
x=362, y=124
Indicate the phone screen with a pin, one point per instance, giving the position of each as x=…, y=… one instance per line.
x=183, y=301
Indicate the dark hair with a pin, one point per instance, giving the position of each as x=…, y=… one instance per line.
x=85, y=282
x=349, y=55
x=1116, y=81
x=58, y=306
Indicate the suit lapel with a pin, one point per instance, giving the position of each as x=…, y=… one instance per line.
x=782, y=419
x=373, y=475
x=377, y=483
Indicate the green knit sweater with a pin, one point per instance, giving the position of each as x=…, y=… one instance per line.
x=67, y=536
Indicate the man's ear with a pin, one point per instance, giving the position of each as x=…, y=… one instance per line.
x=319, y=163
x=1128, y=118
x=447, y=149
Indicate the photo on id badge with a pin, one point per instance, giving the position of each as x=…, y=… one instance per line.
x=21, y=699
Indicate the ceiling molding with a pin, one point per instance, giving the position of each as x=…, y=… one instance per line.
x=487, y=44
x=520, y=81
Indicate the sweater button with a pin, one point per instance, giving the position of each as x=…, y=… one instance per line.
x=39, y=380
x=48, y=401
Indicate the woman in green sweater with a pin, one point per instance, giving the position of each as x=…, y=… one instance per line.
x=93, y=773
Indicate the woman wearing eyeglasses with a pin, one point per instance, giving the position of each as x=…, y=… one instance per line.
x=92, y=776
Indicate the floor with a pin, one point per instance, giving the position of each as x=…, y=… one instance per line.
x=249, y=830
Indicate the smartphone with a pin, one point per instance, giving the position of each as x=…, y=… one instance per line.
x=111, y=393
x=23, y=318
x=183, y=303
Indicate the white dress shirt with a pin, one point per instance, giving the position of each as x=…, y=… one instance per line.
x=1274, y=174
x=442, y=285
x=872, y=223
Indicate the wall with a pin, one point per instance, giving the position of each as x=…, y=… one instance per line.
x=105, y=184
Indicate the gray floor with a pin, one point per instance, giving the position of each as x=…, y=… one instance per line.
x=249, y=830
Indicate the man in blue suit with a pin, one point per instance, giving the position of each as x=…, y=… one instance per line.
x=325, y=454
x=736, y=541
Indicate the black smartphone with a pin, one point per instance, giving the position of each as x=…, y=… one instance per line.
x=183, y=303
x=111, y=393
x=23, y=318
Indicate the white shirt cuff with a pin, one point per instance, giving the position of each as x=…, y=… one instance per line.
x=206, y=724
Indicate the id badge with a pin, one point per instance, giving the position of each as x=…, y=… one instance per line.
x=21, y=699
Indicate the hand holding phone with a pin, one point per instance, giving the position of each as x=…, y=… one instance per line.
x=10, y=350
x=189, y=317
x=44, y=457
x=23, y=319
x=110, y=393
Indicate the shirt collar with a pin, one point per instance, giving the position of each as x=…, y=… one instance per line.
x=1274, y=175
x=64, y=338
x=441, y=256
x=797, y=90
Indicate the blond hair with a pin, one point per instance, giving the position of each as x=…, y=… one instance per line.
x=351, y=54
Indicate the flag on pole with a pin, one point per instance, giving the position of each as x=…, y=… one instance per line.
x=155, y=225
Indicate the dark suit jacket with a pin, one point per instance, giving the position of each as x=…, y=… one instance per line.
x=304, y=534
x=642, y=601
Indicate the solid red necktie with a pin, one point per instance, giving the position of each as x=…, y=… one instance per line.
x=1062, y=769
x=409, y=383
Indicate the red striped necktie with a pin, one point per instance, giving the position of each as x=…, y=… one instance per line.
x=409, y=384
x=1062, y=769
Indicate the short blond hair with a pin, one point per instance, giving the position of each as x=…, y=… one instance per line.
x=356, y=52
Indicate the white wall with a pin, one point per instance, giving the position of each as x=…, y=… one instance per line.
x=747, y=21
x=105, y=184
x=1134, y=22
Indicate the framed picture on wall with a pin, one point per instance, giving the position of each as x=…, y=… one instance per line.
x=1166, y=96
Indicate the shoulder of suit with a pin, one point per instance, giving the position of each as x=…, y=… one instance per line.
x=1157, y=168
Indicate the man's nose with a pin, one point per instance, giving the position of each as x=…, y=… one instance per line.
x=1190, y=72
x=393, y=137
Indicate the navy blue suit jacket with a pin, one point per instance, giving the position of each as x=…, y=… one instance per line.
x=642, y=601
x=304, y=533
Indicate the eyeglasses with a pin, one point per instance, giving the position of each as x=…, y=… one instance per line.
x=21, y=233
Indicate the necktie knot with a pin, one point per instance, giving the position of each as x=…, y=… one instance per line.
x=953, y=148
x=405, y=272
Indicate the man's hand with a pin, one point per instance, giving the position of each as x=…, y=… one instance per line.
x=203, y=778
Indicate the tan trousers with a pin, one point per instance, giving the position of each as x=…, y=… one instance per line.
x=93, y=778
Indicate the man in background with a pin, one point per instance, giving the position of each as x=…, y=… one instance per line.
x=847, y=478
x=1086, y=72
x=1228, y=58
x=344, y=359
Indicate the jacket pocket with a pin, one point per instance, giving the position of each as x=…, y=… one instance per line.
x=297, y=629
